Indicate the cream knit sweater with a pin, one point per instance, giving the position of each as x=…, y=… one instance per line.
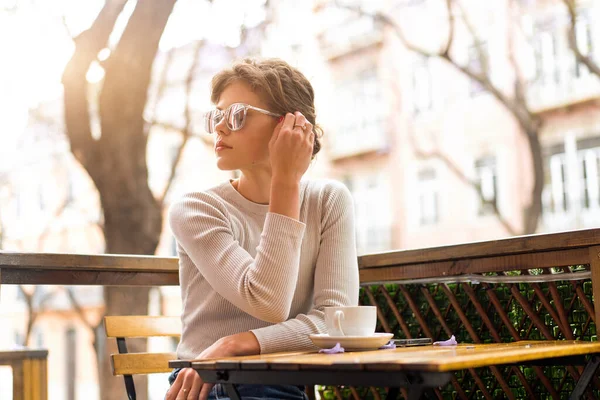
x=243, y=268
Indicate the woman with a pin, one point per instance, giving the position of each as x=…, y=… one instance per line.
x=261, y=256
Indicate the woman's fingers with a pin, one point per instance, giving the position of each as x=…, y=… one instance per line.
x=175, y=387
x=206, y=388
x=197, y=385
x=300, y=121
x=277, y=129
x=185, y=381
x=291, y=150
x=188, y=382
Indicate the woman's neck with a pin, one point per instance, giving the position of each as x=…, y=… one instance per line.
x=256, y=188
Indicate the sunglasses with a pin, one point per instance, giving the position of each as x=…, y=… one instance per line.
x=235, y=117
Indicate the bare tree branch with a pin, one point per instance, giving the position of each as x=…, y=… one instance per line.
x=77, y=116
x=517, y=106
x=57, y=213
x=163, y=81
x=587, y=60
x=32, y=312
x=78, y=309
x=527, y=120
x=63, y=20
x=519, y=83
x=189, y=83
x=451, y=22
x=456, y=170
x=479, y=44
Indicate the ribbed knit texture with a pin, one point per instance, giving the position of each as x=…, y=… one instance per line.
x=243, y=268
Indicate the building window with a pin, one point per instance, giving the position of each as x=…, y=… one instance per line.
x=546, y=52
x=428, y=197
x=70, y=362
x=589, y=161
x=583, y=29
x=39, y=338
x=574, y=178
x=487, y=179
x=20, y=339
x=361, y=113
x=373, y=213
x=478, y=63
x=422, y=86
x=559, y=198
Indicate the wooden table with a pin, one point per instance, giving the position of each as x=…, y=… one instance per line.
x=77, y=269
x=419, y=369
x=29, y=369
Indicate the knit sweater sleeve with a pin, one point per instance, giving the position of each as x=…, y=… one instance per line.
x=262, y=286
x=336, y=281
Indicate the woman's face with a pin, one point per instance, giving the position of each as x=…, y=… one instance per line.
x=247, y=148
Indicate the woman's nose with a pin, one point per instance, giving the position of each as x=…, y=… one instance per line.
x=221, y=127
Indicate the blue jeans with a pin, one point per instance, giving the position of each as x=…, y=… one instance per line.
x=254, y=392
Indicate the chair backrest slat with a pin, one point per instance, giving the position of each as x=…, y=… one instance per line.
x=131, y=326
x=141, y=363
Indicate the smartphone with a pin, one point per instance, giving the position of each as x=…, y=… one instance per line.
x=412, y=342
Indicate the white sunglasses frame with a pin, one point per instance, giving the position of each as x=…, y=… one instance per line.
x=225, y=114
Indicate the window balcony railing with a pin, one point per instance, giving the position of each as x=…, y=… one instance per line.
x=565, y=88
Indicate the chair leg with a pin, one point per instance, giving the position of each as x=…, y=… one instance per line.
x=310, y=392
x=585, y=378
x=232, y=391
x=129, y=387
x=392, y=393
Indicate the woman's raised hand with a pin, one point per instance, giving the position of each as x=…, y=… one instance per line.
x=291, y=148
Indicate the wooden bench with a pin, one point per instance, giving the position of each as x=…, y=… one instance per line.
x=30, y=373
x=128, y=364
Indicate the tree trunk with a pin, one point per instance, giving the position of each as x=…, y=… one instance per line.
x=533, y=210
x=116, y=161
x=132, y=216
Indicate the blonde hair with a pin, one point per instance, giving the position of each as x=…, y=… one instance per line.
x=283, y=87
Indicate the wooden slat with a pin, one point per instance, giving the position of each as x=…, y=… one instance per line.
x=141, y=363
x=258, y=358
x=8, y=356
x=427, y=358
x=131, y=326
x=514, y=245
x=103, y=262
x=444, y=269
x=81, y=276
x=18, y=380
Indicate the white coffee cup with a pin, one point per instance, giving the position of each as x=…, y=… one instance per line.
x=351, y=320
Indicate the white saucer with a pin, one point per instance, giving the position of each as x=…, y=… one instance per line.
x=351, y=343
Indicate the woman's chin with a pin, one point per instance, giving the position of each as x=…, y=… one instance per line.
x=225, y=165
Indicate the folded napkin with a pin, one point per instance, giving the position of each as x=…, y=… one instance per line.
x=389, y=345
x=334, y=350
x=450, y=342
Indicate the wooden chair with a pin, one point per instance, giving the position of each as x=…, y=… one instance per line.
x=128, y=364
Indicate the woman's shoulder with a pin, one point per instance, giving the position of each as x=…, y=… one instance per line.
x=209, y=200
x=325, y=190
